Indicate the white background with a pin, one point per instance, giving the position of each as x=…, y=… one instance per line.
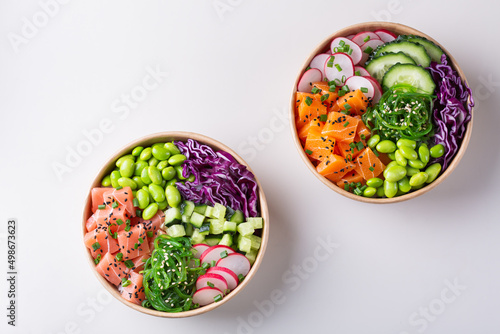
x=229, y=76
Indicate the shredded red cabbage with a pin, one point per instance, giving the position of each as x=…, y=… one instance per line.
x=219, y=178
x=452, y=110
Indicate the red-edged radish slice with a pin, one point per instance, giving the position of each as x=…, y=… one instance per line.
x=385, y=35
x=218, y=281
x=378, y=89
x=342, y=67
x=357, y=82
x=310, y=76
x=356, y=50
x=214, y=253
x=206, y=296
x=235, y=262
x=319, y=61
x=373, y=44
x=199, y=249
x=362, y=71
x=364, y=37
x=231, y=278
x=350, y=36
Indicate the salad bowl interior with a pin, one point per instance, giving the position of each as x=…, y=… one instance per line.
x=166, y=137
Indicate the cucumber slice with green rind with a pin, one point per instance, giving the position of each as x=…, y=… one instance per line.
x=415, y=51
x=409, y=74
x=433, y=50
x=379, y=65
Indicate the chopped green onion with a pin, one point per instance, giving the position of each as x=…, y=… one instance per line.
x=362, y=136
x=210, y=284
x=364, y=89
x=371, y=169
x=129, y=264
x=136, y=245
x=332, y=88
x=359, y=146
x=119, y=221
x=135, y=201
x=114, y=205
x=101, y=207
x=331, y=83
x=346, y=124
x=119, y=188
x=125, y=282
x=141, y=240
x=213, y=263
x=323, y=117
x=376, y=153
x=368, y=50
x=205, y=265
x=308, y=68
x=119, y=256
x=346, y=187
x=97, y=259
x=315, y=90
x=341, y=93
x=324, y=97
x=96, y=246
x=308, y=100
x=347, y=106
x=367, y=38
x=138, y=213
x=349, y=52
x=358, y=73
x=341, y=43
x=345, y=112
x=149, y=234
x=240, y=277
x=309, y=152
x=352, y=145
x=223, y=254
x=337, y=66
x=218, y=298
x=329, y=64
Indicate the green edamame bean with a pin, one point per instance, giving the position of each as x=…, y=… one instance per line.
x=418, y=187
x=145, y=176
x=369, y=192
x=163, y=183
x=168, y=173
x=392, y=155
x=162, y=164
x=143, y=198
x=386, y=146
x=404, y=185
x=172, y=182
x=418, y=179
x=374, y=182
x=406, y=142
x=122, y=159
x=106, y=181
x=127, y=182
x=394, y=173
x=373, y=141
x=115, y=175
x=160, y=152
x=408, y=153
x=416, y=164
x=158, y=144
x=154, y=175
x=400, y=159
x=173, y=196
x=146, y=189
x=433, y=172
x=423, y=154
x=150, y=211
x=139, y=166
x=127, y=168
x=178, y=169
x=177, y=159
x=153, y=161
x=392, y=163
x=437, y=151
x=162, y=205
x=146, y=154
x=380, y=192
x=138, y=180
x=191, y=178
x=390, y=189
x=157, y=192
x=137, y=151
x=172, y=148
x=410, y=171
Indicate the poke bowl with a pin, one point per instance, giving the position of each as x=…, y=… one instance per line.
x=175, y=224
x=381, y=112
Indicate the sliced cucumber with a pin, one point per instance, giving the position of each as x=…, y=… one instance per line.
x=245, y=229
x=229, y=226
x=379, y=65
x=172, y=216
x=201, y=209
x=187, y=208
x=227, y=240
x=237, y=217
x=244, y=244
x=251, y=256
x=434, y=51
x=213, y=240
x=196, y=219
x=216, y=226
x=189, y=229
x=413, y=75
x=197, y=237
x=176, y=230
x=415, y=51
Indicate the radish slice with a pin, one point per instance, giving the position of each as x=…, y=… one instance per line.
x=356, y=50
x=214, y=253
x=235, y=262
x=357, y=82
x=218, y=281
x=342, y=67
x=378, y=89
x=310, y=76
x=350, y=37
x=231, y=278
x=364, y=37
x=199, y=249
x=372, y=44
x=319, y=61
x=385, y=35
x=362, y=71
x=206, y=296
